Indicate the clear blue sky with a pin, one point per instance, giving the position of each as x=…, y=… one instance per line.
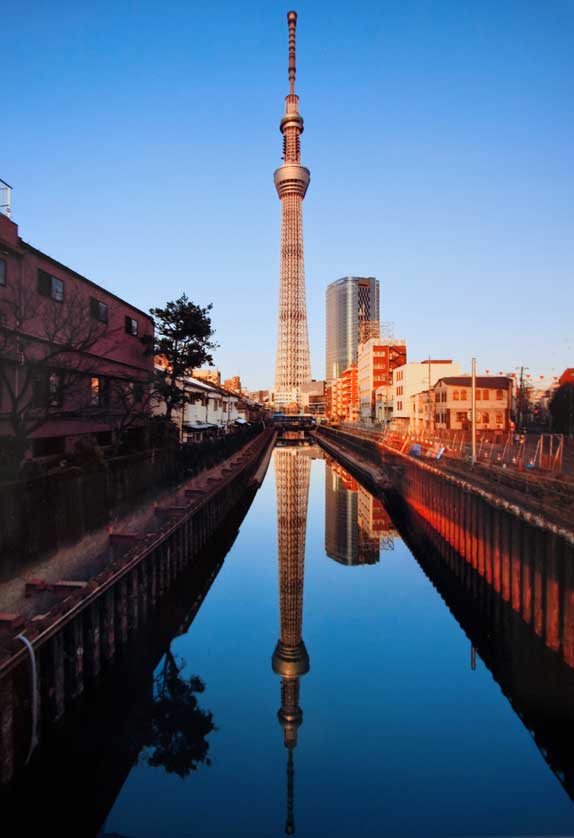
x=141, y=140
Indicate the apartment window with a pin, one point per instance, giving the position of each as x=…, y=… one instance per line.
x=2, y=272
x=499, y=395
x=463, y=396
x=486, y=395
x=131, y=326
x=98, y=310
x=455, y=395
x=485, y=418
x=50, y=286
x=461, y=417
x=478, y=395
x=499, y=419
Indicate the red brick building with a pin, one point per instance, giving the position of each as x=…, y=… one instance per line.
x=72, y=362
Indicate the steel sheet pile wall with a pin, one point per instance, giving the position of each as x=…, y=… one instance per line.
x=531, y=567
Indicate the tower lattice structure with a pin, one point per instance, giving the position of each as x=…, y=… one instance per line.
x=293, y=366
x=290, y=659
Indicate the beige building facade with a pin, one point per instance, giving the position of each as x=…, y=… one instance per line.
x=453, y=403
x=415, y=377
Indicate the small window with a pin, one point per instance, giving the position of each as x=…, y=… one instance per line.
x=55, y=389
x=2, y=272
x=131, y=326
x=455, y=395
x=486, y=395
x=499, y=395
x=95, y=391
x=463, y=395
x=99, y=391
x=478, y=395
x=98, y=310
x=50, y=286
x=485, y=418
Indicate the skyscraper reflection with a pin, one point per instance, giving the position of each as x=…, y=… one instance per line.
x=290, y=659
x=357, y=525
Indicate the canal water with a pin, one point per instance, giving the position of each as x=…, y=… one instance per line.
x=326, y=687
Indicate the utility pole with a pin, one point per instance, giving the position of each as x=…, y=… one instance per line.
x=522, y=412
x=473, y=413
x=429, y=400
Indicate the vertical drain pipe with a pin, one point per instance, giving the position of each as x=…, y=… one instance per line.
x=34, y=691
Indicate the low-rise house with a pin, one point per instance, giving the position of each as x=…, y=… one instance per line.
x=453, y=403
x=208, y=410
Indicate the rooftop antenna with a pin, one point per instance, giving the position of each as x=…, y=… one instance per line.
x=292, y=22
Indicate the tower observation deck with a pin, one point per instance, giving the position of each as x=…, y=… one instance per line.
x=293, y=367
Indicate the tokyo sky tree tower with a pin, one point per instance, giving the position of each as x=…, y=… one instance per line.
x=293, y=366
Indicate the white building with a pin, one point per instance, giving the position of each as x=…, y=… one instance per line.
x=209, y=410
x=412, y=378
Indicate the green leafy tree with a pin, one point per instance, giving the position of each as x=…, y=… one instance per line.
x=183, y=338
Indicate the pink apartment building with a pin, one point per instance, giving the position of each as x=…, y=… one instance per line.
x=72, y=362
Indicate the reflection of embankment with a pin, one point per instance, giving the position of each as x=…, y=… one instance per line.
x=92, y=752
x=510, y=586
x=532, y=675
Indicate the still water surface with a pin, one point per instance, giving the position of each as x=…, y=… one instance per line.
x=404, y=730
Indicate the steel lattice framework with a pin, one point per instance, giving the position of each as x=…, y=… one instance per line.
x=293, y=366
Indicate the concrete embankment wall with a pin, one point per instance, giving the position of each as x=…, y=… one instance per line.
x=47, y=512
x=527, y=561
x=76, y=639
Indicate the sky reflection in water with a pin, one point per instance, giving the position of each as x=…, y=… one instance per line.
x=400, y=736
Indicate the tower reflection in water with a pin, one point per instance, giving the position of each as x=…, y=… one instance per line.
x=290, y=659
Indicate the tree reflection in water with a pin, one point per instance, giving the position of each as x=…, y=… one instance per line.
x=176, y=736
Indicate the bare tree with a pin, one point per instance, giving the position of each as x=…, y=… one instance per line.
x=130, y=405
x=45, y=357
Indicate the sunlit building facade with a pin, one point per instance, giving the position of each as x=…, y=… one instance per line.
x=352, y=316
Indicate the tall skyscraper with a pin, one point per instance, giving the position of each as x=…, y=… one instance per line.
x=293, y=366
x=352, y=317
x=290, y=659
